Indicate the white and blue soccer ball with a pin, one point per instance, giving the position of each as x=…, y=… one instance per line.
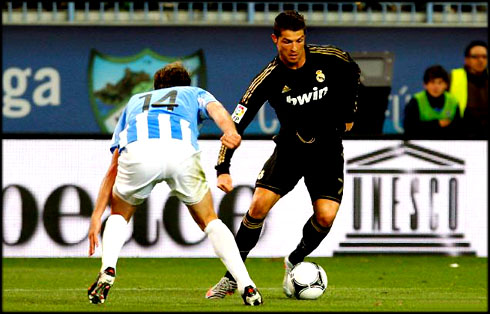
x=307, y=281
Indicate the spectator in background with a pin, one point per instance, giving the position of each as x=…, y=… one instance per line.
x=433, y=112
x=470, y=86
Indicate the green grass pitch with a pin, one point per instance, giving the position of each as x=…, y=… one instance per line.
x=355, y=283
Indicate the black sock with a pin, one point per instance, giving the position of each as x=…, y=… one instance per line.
x=313, y=235
x=247, y=237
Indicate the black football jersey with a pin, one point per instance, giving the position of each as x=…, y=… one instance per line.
x=314, y=101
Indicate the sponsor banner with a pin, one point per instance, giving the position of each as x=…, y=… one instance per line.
x=399, y=197
x=416, y=197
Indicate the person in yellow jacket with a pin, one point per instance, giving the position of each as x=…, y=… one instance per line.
x=470, y=86
x=433, y=112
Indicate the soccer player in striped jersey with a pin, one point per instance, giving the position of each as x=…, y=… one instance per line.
x=155, y=140
x=313, y=90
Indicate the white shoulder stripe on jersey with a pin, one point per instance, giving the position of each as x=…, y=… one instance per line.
x=123, y=138
x=142, y=125
x=164, y=126
x=186, y=131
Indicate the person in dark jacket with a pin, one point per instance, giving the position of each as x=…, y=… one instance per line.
x=433, y=112
x=470, y=86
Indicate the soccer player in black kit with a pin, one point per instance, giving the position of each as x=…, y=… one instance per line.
x=313, y=90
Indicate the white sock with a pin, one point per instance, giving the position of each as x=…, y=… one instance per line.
x=225, y=247
x=115, y=234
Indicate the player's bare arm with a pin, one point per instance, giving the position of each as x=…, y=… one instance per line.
x=101, y=203
x=231, y=138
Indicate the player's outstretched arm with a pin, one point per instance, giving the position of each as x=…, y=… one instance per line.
x=105, y=192
x=231, y=138
x=225, y=183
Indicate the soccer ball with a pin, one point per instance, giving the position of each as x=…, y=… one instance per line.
x=307, y=281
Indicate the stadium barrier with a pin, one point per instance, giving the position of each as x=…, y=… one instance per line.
x=354, y=13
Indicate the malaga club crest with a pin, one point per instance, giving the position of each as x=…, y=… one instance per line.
x=112, y=80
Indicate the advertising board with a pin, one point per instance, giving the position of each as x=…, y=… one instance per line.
x=399, y=197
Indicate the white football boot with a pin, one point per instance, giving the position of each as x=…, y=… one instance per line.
x=287, y=269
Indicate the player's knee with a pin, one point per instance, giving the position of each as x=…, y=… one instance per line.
x=202, y=215
x=257, y=213
x=125, y=215
x=325, y=212
x=258, y=209
x=204, y=221
x=325, y=219
x=262, y=202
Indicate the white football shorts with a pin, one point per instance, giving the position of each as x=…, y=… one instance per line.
x=143, y=164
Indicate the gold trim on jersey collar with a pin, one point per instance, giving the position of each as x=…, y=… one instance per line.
x=303, y=140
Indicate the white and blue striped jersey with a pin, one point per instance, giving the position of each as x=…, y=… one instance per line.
x=175, y=112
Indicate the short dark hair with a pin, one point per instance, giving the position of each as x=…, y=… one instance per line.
x=173, y=74
x=435, y=71
x=472, y=44
x=289, y=20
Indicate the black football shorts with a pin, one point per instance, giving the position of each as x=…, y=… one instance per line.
x=321, y=166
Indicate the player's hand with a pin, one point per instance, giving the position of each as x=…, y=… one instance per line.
x=225, y=183
x=93, y=232
x=444, y=122
x=231, y=140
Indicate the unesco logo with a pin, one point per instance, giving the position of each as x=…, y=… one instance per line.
x=406, y=201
